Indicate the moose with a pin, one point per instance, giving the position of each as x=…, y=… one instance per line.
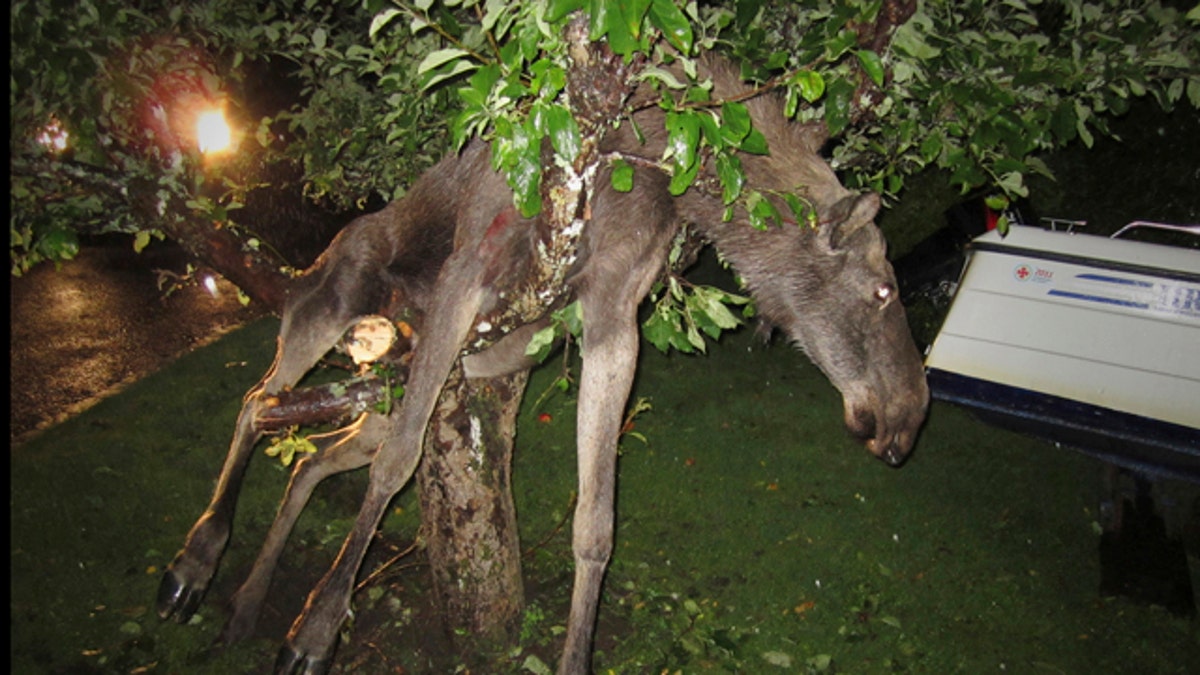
x=453, y=249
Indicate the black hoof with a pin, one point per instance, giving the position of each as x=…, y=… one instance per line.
x=236, y=630
x=177, y=601
x=292, y=662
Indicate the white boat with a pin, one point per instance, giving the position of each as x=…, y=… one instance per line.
x=1088, y=341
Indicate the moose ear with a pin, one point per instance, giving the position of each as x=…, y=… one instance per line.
x=846, y=217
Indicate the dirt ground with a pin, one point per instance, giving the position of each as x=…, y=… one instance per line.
x=100, y=322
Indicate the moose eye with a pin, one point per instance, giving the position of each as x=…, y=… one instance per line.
x=885, y=292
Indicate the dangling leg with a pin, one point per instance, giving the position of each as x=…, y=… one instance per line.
x=609, y=362
x=301, y=344
x=626, y=260
x=343, y=450
x=312, y=638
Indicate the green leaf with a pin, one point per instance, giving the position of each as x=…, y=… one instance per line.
x=683, y=144
x=1013, y=183
x=840, y=44
x=542, y=342
x=1082, y=113
x=819, y=663
x=791, y=103
x=810, y=84
x=711, y=132
x=732, y=176
x=548, y=78
x=996, y=202
x=439, y=57
x=803, y=210
x=1175, y=90
x=931, y=147
x=910, y=38
x=598, y=11
x=658, y=329
x=563, y=132
x=735, y=122
x=755, y=144
x=571, y=318
x=59, y=243
x=536, y=666
x=683, y=138
x=872, y=65
x=779, y=659
x=622, y=176
x=633, y=12
x=557, y=9
x=694, y=339
x=712, y=302
x=682, y=179
x=621, y=39
x=449, y=70
x=666, y=16
x=762, y=211
x=381, y=20
x=1062, y=122
x=517, y=153
x=837, y=106
x=141, y=240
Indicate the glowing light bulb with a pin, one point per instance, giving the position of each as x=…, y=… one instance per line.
x=212, y=132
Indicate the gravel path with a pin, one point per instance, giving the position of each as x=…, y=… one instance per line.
x=83, y=331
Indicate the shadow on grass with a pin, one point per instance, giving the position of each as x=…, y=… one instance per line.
x=753, y=536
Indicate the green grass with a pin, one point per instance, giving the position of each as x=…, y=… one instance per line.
x=752, y=532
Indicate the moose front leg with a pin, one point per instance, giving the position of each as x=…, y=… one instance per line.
x=312, y=639
x=609, y=361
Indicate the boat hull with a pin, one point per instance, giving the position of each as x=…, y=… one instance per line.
x=1087, y=341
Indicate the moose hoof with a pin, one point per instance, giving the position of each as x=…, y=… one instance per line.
x=292, y=662
x=176, y=600
x=239, y=627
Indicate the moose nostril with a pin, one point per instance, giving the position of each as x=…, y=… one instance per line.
x=890, y=451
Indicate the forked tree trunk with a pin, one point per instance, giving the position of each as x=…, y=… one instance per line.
x=467, y=512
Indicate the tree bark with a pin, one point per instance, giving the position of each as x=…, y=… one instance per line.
x=468, y=516
x=257, y=273
x=337, y=402
x=466, y=497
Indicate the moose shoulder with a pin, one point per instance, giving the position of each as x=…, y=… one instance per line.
x=454, y=249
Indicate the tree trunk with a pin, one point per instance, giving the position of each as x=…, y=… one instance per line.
x=467, y=511
x=257, y=273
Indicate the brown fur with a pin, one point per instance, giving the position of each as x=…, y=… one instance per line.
x=453, y=247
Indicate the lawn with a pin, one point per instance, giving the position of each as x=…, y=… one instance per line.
x=754, y=536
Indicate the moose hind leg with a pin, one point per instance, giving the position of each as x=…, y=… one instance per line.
x=311, y=327
x=343, y=450
x=187, y=578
